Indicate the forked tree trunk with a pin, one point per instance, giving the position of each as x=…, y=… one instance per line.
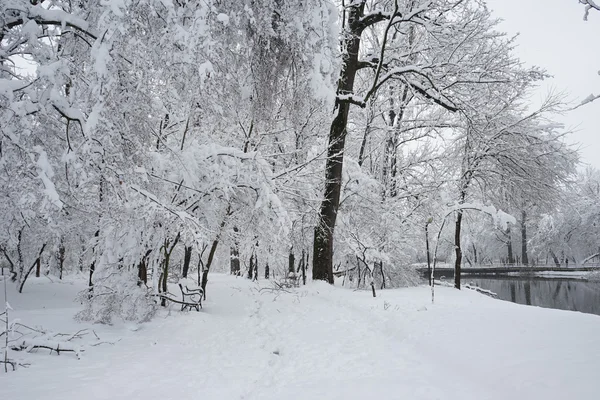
x=35, y=263
x=165, y=274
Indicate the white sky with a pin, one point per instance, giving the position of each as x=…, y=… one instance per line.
x=554, y=36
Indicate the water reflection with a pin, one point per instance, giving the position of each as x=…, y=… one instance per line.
x=564, y=294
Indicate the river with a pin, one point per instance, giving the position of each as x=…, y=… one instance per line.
x=564, y=294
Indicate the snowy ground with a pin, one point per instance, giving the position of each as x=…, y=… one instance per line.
x=317, y=342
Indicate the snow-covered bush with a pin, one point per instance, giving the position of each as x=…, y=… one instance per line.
x=117, y=295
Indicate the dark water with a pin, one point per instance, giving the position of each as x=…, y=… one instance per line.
x=564, y=294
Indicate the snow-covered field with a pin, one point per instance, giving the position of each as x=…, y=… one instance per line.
x=316, y=342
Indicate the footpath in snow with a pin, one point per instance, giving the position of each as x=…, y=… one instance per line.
x=315, y=342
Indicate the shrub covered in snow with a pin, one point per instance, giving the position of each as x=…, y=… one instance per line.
x=117, y=295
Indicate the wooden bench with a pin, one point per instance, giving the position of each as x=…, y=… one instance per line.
x=191, y=298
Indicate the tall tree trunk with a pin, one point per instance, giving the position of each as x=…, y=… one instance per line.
x=323, y=238
x=304, y=262
x=165, y=274
x=143, y=269
x=61, y=258
x=234, y=256
x=20, y=260
x=383, y=275
x=38, y=267
x=457, y=249
x=524, y=258
x=211, y=256
x=93, y=264
x=427, y=249
x=291, y=263
x=187, y=258
x=363, y=144
x=251, y=268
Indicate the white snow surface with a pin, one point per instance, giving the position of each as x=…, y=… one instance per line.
x=316, y=342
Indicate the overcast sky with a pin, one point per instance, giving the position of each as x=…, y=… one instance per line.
x=553, y=35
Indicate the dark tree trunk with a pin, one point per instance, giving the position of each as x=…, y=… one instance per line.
x=211, y=256
x=204, y=282
x=251, y=268
x=383, y=275
x=187, y=258
x=358, y=269
x=457, y=249
x=323, y=238
x=143, y=269
x=90, y=282
x=165, y=275
x=61, y=258
x=291, y=263
x=428, y=254
x=234, y=255
x=303, y=268
x=93, y=264
x=20, y=260
x=524, y=258
x=373, y=282
x=267, y=271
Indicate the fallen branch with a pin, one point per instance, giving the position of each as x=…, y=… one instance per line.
x=29, y=345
